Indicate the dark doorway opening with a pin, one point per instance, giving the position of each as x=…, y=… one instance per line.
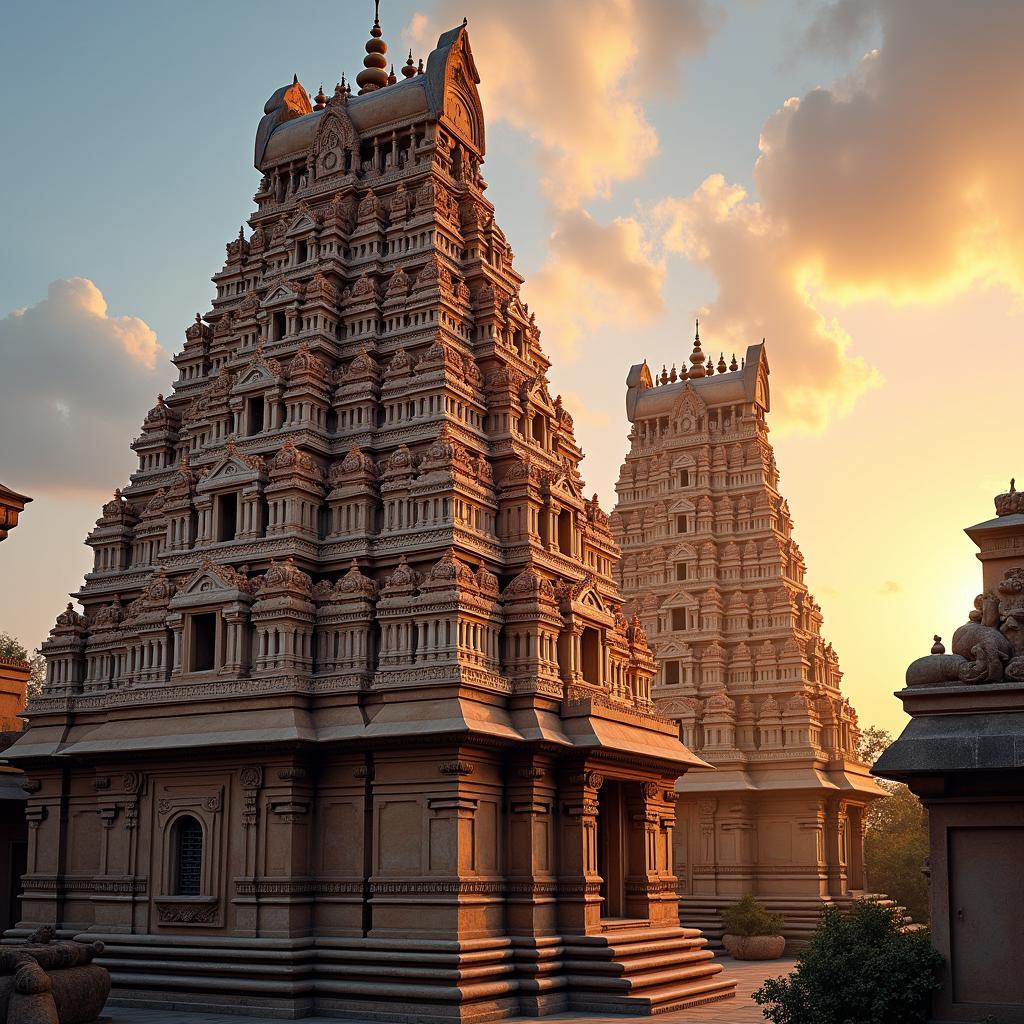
x=611, y=849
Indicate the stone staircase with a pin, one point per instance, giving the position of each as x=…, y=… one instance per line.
x=642, y=970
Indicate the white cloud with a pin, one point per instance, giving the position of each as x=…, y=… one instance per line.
x=73, y=390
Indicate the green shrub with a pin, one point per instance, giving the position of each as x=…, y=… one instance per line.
x=858, y=968
x=748, y=917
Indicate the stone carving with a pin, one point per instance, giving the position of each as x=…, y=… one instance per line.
x=172, y=911
x=989, y=647
x=48, y=982
x=365, y=541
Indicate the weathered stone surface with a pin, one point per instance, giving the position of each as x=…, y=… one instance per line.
x=351, y=718
x=963, y=754
x=44, y=982
x=710, y=567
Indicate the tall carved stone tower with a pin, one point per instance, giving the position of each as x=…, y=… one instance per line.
x=351, y=720
x=710, y=567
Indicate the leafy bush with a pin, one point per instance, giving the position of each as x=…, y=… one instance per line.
x=858, y=968
x=748, y=917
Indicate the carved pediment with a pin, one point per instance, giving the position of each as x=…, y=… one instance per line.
x=301, y=225
x=335, y=136
x=673, y=649
x=279, y=296
x=680, y=599
x=689, y=406
x=255, y=376
x=682, y=505
x=231, y=470
x=213, y=583
x=683, y=551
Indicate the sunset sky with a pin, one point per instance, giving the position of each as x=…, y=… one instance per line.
x=843, y=179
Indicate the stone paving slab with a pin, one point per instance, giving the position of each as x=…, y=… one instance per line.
x=740, y=1010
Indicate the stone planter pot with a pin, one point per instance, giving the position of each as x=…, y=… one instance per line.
x=754, y=947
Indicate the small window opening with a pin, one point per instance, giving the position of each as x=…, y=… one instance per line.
x=204, y=642
x=280, y=326
x=565, y=531
x=590, y=651
x=227, y=516
x=254, y=417
x=680, y=524
x=681, y=571
x=679, y=618
x=188, y=857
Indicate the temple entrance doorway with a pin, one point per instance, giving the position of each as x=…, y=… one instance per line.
x=611, y=849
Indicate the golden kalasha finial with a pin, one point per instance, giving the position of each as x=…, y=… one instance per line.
x=409, y=68
x=697, y=357
x=419, y=67
x=733, y=365
x=721, y=363
x=321, y=99
x=673, y=376
x=392, y=78
x=374, y=76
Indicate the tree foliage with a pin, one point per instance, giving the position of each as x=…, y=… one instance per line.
x=896, y=837
x=12, y=648
x=859, y=967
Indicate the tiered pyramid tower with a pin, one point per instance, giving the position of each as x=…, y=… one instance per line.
x=710, y=567
x=351, y=720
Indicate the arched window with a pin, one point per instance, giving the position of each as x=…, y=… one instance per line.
x=187, y=847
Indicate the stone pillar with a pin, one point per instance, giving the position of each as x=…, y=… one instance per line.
x=643, y=822
x=835, y=848
x=579, y=884
x=532, y=883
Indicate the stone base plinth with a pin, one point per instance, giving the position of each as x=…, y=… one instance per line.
x=635, y=970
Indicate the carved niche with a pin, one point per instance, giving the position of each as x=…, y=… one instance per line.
x=335, y=142
x=177, y=800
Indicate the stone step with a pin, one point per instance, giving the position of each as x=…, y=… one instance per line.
x=643, y=972
x=640, y=964
x=677, y=996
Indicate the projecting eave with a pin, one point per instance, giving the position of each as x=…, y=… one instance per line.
x=1002, y=523
x=943, y=743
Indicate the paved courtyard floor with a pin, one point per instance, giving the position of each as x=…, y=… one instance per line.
x=739, y=1010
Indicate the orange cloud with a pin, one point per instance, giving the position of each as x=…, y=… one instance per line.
x=763, y=292
x=596, y=275
x=902, y=181
x=573, y=77
x=899, y=182
x=70, y=376
x=574, y=82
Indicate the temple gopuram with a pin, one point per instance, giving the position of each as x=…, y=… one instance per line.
x=710, y=567
x=351, y=720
